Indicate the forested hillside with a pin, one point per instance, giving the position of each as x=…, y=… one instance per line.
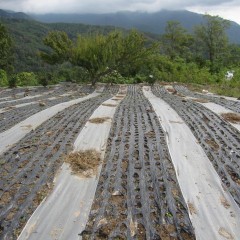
x=48, y=53
x=143, y=21
x=28, y=39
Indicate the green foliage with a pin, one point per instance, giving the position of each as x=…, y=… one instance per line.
x=211, y=40
x=28, y=35
x=3, y=78
x=113, y=77
x=134, y=53
x=176, y=40
x=101, y=54
x=12, y=81
x=61, y=47
x=25, y=79
x=228, y=88
x=5, y=49
x=44, y=79
x=92, y=52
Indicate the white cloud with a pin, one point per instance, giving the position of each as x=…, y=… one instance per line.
x=228, y=11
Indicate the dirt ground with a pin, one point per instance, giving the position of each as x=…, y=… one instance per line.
x=138, y=195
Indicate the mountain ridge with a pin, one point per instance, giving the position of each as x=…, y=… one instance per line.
x=13, y=15
x=147, y=22
x=143, y=21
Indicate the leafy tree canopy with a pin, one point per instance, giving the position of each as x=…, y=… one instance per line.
x=212, y=40
x=5, y=49
x=176, y=40
x=60, y=45
x=100, y=54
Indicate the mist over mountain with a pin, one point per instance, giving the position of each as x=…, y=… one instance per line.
x=147, y=22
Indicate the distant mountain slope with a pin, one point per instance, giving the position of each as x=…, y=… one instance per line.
x=147, y=22
x=13, y=15
x=28, y=33
x=28, y=37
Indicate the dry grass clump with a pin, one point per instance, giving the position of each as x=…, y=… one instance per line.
x=98, y=120
x=109, y=105
x=84, y=163
x=171, y=90
x=200, y=100
x=42, y=104
x=231, y=117
x=212, y=144
x=180, y=95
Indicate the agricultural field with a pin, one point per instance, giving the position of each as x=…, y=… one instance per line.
x=119, y=162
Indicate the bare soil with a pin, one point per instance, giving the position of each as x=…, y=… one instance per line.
x=137, y=177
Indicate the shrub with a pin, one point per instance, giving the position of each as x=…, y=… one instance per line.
x=26, y=79
x=3, y=78
x=12, y=81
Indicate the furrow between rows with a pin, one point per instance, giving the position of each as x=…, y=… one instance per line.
x=138, y=196
x=232, y=105
x=29, y=167
x=220, y=141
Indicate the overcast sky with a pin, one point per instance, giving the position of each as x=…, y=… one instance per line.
x=229, y=9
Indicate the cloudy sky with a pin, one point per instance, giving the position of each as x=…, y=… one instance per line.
x=229, y=9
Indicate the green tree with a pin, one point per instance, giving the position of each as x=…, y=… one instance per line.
x=176, y=41
x=212, y=40
x=60, y=45
x=5, y=49
x=101, y=54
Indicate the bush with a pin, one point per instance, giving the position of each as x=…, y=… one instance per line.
x=3, y=78
x=26, y=79
x=12, y=81
x=113, y=77
x=44, y=79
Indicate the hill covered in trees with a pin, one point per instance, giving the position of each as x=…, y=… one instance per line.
x=53, y=52
x=143, y=21
x=28, y=34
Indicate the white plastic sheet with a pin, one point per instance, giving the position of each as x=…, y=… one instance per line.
x=213, y=211
x=17, y=132
x=64, y=213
